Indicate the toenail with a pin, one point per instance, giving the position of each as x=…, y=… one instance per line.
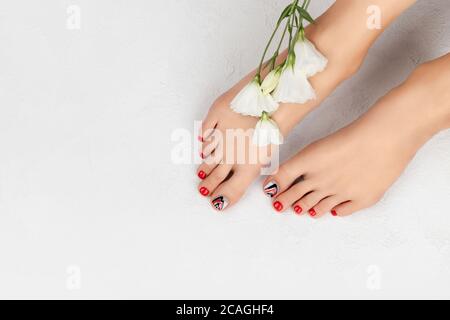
x=298, y=209
x=202, y=175
x=204, y=191
x=278, y=206
x=200, y=138
x=202, y=155
x=334, y=213
x=220, y=203
x=312, y=213
x=271, y=189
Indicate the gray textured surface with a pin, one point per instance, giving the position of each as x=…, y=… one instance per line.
x=86, y=178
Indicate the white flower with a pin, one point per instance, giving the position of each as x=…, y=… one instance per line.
x=309, y=59
x=251, y=101
x=267, y=132
x=271, y=81
x=294, y=87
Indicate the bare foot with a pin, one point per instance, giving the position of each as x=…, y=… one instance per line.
x=352, y=169
x=226, y=179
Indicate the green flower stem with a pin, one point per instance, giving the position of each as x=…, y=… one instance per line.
x=301, y=29
x=292, y=36
x=295, y=22
x=267, y=49
x=292, y=21
x=299, y=26
x=277, y=52
x=293, y=10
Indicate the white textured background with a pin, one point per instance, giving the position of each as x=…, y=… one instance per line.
x=86, y=179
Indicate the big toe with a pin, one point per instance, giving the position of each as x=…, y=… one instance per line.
x=285, y=177
x=231, y=191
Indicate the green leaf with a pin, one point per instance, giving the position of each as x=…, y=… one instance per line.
x=286, y=13
x=305, y=14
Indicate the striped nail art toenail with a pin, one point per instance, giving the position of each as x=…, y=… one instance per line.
x=220, y=203
x=271, y=189
x=312, y=213
x=204, y=191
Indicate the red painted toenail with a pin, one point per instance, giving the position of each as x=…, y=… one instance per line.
x=312, y=213
x=204, y=191
x=202, y=155
x=202, y=175
x=200, y=138
x=278, y=206
x=334, y=213
x=298, y=209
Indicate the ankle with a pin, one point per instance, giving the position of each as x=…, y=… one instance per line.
x=345, y=60
x=431, y=83
x=343, y=35
x=328, y=34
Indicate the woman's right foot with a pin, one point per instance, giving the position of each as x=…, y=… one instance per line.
x=352, y=169
x=225, y=180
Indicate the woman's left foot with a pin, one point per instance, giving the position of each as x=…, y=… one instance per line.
x=352, y=169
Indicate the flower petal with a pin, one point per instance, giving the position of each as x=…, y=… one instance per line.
x=294, y=87
x=252, y=102
x=309, y=59
x=271, y=81
x=267, y=133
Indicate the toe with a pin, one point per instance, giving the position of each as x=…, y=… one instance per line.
x=346, y=209
x=231, y=191
x=212, y=142
x=308, y=202
x=214, y=179
x=326, y=206
x=205, y=170
x=208, y=126
x=292, y=195
x=209, y=145
x=287, y=174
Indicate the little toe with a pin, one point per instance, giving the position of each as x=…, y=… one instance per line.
x=208, y=126
x=291, y=195
x=308, y=202
x=214, y=179
x=326, y=206
x=231, y=191
x=346, y=209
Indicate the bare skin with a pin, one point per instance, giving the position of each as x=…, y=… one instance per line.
x=346, y=19
x=352, y=169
